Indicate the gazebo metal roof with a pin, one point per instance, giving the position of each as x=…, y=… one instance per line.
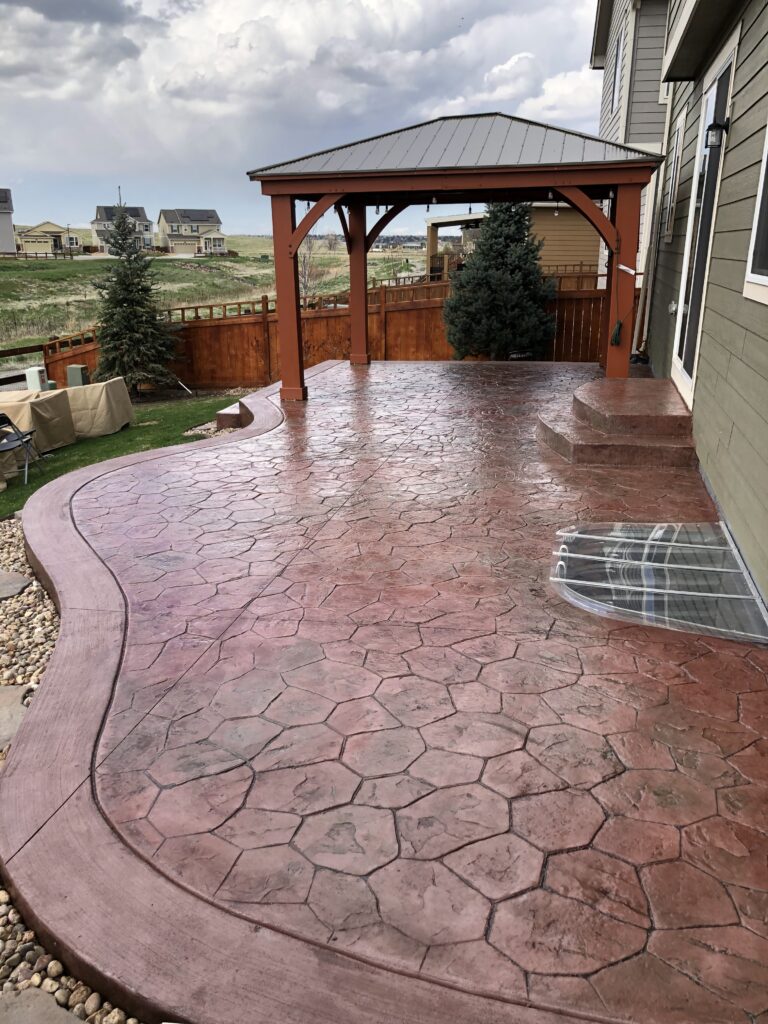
x=452, y=143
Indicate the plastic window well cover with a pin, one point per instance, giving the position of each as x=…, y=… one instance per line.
x=686, y=576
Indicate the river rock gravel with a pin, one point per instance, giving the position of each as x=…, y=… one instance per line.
x=29, y=622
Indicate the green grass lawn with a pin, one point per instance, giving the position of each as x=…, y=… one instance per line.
x=156, y=425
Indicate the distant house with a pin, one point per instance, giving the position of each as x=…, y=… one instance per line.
x=7, y=240
x=569, y=239
x=47, y=238
x=104, y=222
x=191, y=232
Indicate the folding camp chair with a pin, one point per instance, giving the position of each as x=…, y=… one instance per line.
x=17, y=439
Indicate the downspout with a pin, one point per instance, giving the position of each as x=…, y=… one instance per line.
x=651, y=256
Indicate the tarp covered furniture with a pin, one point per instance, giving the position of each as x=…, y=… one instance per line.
x=99, y=409
x=45, y=412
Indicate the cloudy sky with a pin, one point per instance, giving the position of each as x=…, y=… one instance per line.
x=175, y=100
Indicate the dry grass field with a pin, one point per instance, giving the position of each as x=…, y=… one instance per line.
x=39, y=298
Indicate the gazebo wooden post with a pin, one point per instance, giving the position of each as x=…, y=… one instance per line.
x=624, y=281
x=358, y=284
x=292, y=388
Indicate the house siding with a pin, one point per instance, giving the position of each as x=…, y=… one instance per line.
x=568, y=238
x=675, y=14
x=730, y=406
x=646, y=115
x=611, y=121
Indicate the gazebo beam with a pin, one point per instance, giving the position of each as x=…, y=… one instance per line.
x=358, y=284
x=381, y=223
x=423, y=183
x=321, y=207
x=343, y=221
x=288, y=302
x=586, y=206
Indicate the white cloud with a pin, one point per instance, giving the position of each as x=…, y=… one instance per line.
x=571, y=98
x=184, y=96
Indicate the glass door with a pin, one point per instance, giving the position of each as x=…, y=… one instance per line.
x=699, y=233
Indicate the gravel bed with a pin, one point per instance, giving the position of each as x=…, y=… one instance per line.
x=29, y=625
x=29, y=622
x=209, y=430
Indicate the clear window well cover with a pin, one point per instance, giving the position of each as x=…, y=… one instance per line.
x=685, y=576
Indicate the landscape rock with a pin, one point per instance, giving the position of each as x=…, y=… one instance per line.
x=31, y=1006
x=12, y=583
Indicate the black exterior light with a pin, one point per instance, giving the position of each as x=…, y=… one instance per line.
x=715, y=134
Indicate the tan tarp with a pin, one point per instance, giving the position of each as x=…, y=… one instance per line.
x=9, y=465
x=45, y=412
x=99, y=409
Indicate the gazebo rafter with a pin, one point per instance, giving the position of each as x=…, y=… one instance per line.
x=456, y=160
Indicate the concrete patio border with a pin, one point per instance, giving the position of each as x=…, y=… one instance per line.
x=144, y=941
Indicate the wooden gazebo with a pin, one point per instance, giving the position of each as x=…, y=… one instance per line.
x=471, y=159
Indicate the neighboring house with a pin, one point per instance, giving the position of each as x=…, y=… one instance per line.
x=192, y=232
x=104, y=222
x=7, y=238
x=569, y=239
x=628, y=44
x=708, y=322
x=47, y=238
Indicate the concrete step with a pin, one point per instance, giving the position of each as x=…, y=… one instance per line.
x=582, y=444
x=634, y=406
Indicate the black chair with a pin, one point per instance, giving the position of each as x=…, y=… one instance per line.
x=17, y=439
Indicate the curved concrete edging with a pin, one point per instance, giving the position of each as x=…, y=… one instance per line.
x=147, y=943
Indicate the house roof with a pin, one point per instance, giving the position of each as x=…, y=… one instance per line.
x=45, y=227
x=454, y=143
x=109, y=212
x=601, y=33
x=189, y=216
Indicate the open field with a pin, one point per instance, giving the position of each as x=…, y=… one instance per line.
x=40, y=298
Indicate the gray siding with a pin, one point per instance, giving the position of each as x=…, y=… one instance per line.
x=730, y=410
x=645, y=116
x=610, y=121
x=675, y=11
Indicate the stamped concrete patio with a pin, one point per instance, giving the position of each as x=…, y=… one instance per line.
x=350, y=708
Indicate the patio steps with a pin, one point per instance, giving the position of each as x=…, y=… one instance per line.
x=635, y=422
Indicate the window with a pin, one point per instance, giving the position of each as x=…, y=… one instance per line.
x=194, y=228
x=673, y=179
x=756, y=283
x=618, y=62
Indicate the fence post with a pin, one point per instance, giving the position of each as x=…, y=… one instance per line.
x=383, y=319
x=265, y=330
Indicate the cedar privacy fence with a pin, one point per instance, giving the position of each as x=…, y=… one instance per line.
x=235, y=344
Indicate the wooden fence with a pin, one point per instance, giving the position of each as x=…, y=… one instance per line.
x=64, y=255
x=235, y=344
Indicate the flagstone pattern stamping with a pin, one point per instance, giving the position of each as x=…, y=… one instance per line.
x=350, y=706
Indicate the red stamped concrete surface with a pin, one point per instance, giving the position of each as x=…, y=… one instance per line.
x=350, y=707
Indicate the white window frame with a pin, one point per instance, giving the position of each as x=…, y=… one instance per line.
x=618, y=68
x=756, y=285
x=686, y=385
x=674, y=175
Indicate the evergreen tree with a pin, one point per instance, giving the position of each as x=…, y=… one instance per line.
x=498, y=301
x=134, y=343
